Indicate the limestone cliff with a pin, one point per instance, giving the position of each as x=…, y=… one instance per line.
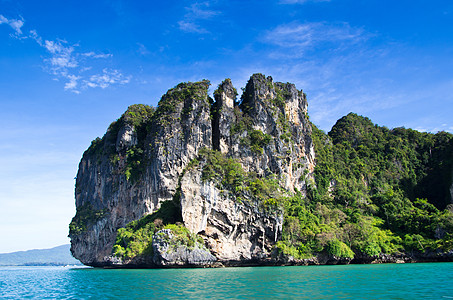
x=214, y=161
x=225, y=181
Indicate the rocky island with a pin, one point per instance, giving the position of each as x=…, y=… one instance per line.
x=251, y=181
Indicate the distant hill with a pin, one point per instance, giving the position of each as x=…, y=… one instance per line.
x=56, y=256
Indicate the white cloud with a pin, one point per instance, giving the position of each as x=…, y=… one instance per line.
x=15, y=24
x=72, y=83
x=196, y=12
x=66, y=63
x=62, y=56
x=191, y=27
x=142, y=50
x=200, y=10
x=435, y=129
x=305, y=36
x=34, y=35
x=97, y=55
x=54, y=47
x=107, y=78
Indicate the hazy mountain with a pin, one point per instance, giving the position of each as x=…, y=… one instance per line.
x=54, y=256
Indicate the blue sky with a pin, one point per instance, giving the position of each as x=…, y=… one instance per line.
x=70, y=68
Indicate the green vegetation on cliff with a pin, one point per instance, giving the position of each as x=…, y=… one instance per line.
x=181, y=237
x=229, y=176
x=137, y=115
x=85, y=215
x=139, y=118
x=373, y=193
x=136, y=238
x=220, y=89
x=184, y=93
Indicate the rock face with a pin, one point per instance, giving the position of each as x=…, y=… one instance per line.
x=234, y=231
x=147, y=157
x=167, y=254
x=279, y=110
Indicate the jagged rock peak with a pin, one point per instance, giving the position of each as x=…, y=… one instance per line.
x=223, y=115
x=261, y=87
x=225, y=94
x=261, y=93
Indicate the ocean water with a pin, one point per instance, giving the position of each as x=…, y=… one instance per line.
x=387, y=281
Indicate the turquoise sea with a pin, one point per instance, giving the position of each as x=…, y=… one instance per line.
x=387, y=281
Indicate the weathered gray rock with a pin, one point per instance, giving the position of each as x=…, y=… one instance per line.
x=168, y=252
x=234, y=231
x=127, y=138
x=279, y=110
x=224, y=116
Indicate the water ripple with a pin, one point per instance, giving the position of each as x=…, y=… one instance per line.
x=392, y=281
